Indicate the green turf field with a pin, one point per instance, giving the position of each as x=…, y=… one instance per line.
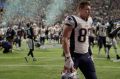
x=49, y=64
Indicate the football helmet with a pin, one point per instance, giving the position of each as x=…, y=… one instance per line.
x=69, y=75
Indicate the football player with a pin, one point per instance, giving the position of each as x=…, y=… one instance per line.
x=75, y=33
x=30, y=41
x=101, y=32
x=112, y=32
x=10, y=34
x=57, y=30
x=42, y=35
x=19, y=34
x=6, y=46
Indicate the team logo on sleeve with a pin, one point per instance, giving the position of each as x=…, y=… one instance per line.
x=69, y=18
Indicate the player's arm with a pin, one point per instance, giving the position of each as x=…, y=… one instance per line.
x=69, y=24
x=114, y=33
x=66, y=48
x=65, y=40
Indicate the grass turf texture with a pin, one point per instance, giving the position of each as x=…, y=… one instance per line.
x=49, y=64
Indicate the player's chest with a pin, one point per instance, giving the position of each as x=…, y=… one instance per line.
x=83, y=28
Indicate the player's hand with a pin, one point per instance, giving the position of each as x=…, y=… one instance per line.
x=68, y=62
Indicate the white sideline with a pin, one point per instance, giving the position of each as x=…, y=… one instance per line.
x=30, y=65
x=42, y=58
x=35, y=57
x=105, y=67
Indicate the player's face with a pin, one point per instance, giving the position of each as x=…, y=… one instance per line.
x=85, y=12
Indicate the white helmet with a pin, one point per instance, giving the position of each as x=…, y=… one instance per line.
x=69, y=75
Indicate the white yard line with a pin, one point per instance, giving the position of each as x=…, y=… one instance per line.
x=46, y=58
x=41, y=58
x=51, y=58
x=30, y=65
x=106, y=67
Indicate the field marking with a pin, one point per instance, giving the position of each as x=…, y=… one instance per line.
x=55, y=58
x=49, y=58
x=30, y=57
x=31, y=65
x=43, y=58
x=106, y=67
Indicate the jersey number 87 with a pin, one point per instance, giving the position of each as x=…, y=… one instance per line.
x=82, y=35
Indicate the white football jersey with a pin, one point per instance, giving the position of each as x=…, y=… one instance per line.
x=57, y=30
x=81, y=33
x=102, y=30
x=42, y=34
x=52, y=30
